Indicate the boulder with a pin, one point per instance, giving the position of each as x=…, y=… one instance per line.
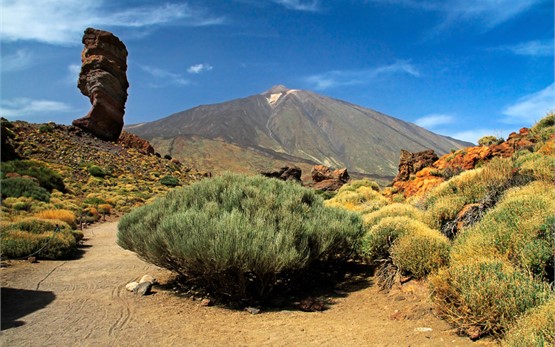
x=327, y=179
x=133, y=141
x=143, y=288
x=103, y=79
x=147, y=278
x=411, y=163
x=286, y=173
x=131, y=286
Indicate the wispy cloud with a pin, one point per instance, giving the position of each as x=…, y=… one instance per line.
x=338, y=78
x=198, y=68
x=18, y=61
x=300, y=5
x=489, y=13
x=163, y=77
x=434, y=120
x=20, y=108
x=532, y=107
x=61, y=22
x=536, y=48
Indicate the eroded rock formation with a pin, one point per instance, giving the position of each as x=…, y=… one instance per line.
x=411, y=163
x=286, y=173
x=326, y=179
x=103, y=79
x=134, y=141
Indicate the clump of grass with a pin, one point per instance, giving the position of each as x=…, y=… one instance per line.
x=420, y=252
x=535, y=328
x=23, y=187
x=46, y=177
x=27, y=236
x=355, y=184
x=490, y=140
x=97, y=171
x=240, y=237
x=169, y=181
x=363, y=199
x=485, y=297
x=393, y=210
x=58, y=214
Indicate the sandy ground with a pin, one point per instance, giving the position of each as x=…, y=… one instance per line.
x=84, y=302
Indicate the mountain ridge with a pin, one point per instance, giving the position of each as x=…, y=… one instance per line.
x=301, y=124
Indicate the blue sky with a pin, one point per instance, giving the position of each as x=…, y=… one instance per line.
x=463, y=68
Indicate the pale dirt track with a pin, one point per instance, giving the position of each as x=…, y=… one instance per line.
x=84, y=302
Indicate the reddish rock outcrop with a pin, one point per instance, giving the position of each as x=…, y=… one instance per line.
x=103, y=79
x=286, y=173
x=133, y=141
x=326, y=179
x=411, y=163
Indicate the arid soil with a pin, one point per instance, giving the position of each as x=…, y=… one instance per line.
x=84, y=302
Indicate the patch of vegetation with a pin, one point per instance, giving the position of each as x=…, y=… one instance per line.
x=170, y=181
x=23, y=187
x=97, y=171
x=535, y=328
x=240, y=237
x=363, y=199
x=47, y=178
x=490, y=140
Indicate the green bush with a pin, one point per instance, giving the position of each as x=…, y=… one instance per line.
x=169, y=181
x=21, y=186
x=485, y=297
x=490, y=140
x=97, y=171
x=535, y=329
x=355, y=184
x=420, y=252
x=47, y=178
x=240, y=237
x=364, y=200
x=393, y=210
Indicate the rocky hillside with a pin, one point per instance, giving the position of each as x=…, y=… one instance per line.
x=288, y=125
x=122, y=174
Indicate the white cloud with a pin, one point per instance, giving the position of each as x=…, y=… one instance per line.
x=300, y=5
x=20, y=108
x=532, y=107
x=198, y=68
x=18, y=61
x=338, y=78
x=433, y=120
x=164, y=77
x=62, y=22
x=536, y=48
x=490, y=13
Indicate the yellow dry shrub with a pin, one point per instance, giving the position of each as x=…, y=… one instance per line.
x=444, y=209
x=105, y=209
x=393, y=210
x=535, y=328
x=63, y=215
x=420, y=252
x=364, y=200
x=539, y=166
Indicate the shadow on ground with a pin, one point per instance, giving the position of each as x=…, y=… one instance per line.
x=17, y=303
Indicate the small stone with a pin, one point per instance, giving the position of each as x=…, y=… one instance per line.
x=252, y=310
x=143, y=288
x=422, y=329
x=206, y=302
x=32, y=260
x=131, y=286
x=148, y=278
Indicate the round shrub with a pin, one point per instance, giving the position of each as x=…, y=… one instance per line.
x=47, y=178
x=355, y=184
x=169, y=181
x=19, y=243
x=485, y=297
x=535, y=328
x=364, y=200
x=97, y=171
x=393, y=210
x=240, y=237
x=58, y=214
x=377, y=241
x=420, y=252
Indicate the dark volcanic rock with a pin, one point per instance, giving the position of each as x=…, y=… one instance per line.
x=411, y=163
x=286, y=173
x=103, y=79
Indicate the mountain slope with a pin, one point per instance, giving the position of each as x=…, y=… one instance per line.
x=305, y=126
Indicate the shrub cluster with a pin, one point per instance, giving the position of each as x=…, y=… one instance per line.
x=240, y=237
x=363, y=199
x=23, y=187
x=535, y=328
x=169, y=181
x=46, y=177
x=20, y=239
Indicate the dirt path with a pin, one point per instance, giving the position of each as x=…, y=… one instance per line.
x=84, y=303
